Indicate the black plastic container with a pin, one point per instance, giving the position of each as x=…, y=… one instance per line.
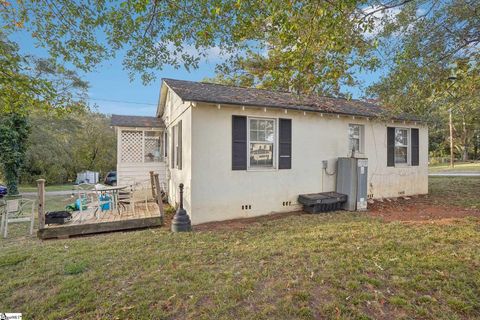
x=57, y=217
x=322, y=202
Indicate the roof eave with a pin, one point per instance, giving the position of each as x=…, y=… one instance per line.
x=162, y=99
x=372, y=116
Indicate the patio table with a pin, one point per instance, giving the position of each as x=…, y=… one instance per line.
x=114, y=192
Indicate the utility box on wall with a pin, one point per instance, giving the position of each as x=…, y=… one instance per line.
x=352, y=180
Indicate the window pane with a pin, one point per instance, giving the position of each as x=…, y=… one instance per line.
x=261, y=155
x=262, y=130
x=354, y=145
x=253, y=124
x=401, y=154
x=269, y=136
x=261, y=136
x=354, y=137
x=401, y=137
x=153, y=146
x=253, y=135
x=354, y=130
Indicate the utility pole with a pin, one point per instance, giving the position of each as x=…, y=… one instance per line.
x=453, y=77
x=451, y=136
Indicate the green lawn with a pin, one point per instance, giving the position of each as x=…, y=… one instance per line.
x=333, y=266
x=57, y=187
x=458, y=167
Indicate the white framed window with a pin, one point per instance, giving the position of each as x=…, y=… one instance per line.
x=262, y=141
x=356, y=138
x=176, y=146
x=176, y=150
x=401, y=146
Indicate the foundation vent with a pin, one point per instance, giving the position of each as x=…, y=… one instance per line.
x=246, y=207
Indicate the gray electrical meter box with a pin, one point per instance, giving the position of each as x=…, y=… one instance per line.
x=352, y=180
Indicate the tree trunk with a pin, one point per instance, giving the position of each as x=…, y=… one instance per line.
x=464, y=139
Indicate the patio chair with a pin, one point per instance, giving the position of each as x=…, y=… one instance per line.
x=85, y=196
x=138, y=193
x=18, y=210
x=126, y=199
x=103, y=202
x=143, y=194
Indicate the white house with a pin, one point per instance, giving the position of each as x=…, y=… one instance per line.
x=243, y=152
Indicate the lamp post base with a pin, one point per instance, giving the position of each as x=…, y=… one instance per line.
x=181, y=221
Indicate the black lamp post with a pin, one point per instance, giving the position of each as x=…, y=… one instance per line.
x=181, y=221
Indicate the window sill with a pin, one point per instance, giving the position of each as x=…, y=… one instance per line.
x=358, y=154
x=402, y=165
x=261, y=169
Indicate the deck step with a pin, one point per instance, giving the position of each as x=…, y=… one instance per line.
x=99, y=227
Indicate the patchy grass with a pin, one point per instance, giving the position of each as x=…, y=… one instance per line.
x=456, y=191
x=75, y=267
x=333, y=266
x=459, y=167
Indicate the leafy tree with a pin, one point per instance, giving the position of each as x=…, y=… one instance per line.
x=434, y=47
x=28, y=84
x=14, y=130
x=306, y=46
x=62, y=146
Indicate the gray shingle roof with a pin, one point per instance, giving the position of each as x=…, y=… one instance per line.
x=136, y=121
x=224, y=94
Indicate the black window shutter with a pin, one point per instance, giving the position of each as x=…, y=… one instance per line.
x=172, y=147
x=239, y=143
x=179, y=156
x=390, y=147
x=415, y=149
x=285, y=144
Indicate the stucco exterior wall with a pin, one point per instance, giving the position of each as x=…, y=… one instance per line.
x=176, y=110
x=218, y=192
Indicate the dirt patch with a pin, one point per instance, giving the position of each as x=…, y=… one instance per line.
x=419, y=208
x=240, y=224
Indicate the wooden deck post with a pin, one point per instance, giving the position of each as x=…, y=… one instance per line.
x=41, y=203
x=152, y=181
x=158, y=194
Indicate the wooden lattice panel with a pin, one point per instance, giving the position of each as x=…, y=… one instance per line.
x=132, y=146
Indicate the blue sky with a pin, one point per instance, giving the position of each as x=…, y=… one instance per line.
x=112, y=91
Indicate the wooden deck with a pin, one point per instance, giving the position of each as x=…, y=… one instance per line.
x=83, y=223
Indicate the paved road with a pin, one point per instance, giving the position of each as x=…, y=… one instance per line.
x=455, y=174
x=49, y=193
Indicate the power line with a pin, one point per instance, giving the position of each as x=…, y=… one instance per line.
x=123, y=101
